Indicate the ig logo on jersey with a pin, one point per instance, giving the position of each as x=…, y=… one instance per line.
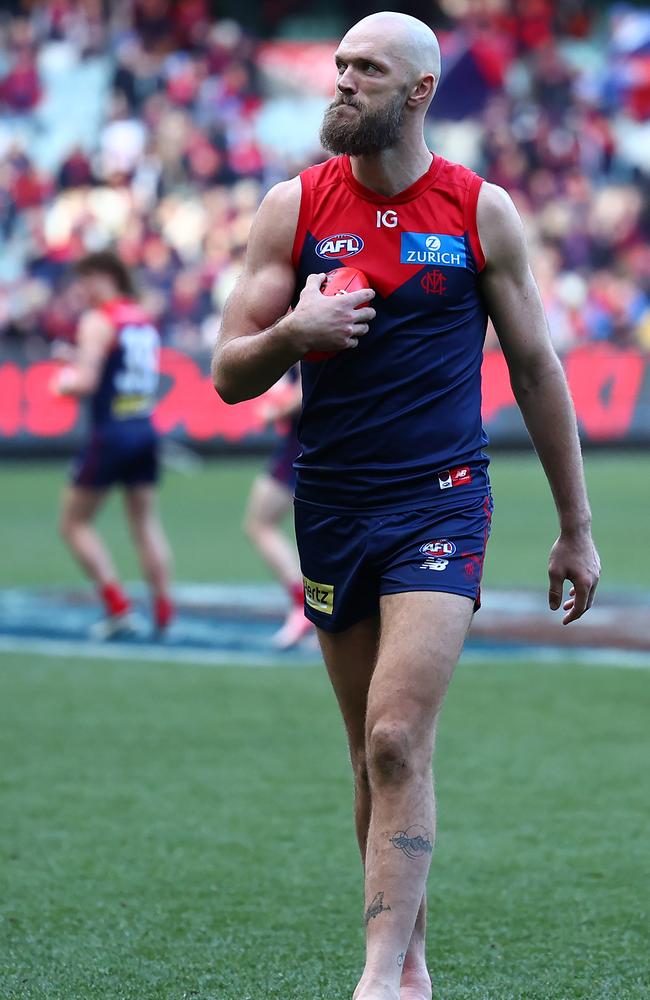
x=338, y=246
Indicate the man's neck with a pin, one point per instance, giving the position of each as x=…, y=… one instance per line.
x=393, y=170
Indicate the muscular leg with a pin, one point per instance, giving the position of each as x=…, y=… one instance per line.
x=149, y=538
x=421, y=639
x=350, y=658
x=75, y=524
x=268, y=504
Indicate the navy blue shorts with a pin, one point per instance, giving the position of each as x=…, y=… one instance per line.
x=349, y=561
x=281, y=463
x=124, y=453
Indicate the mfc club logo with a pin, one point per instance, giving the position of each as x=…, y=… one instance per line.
x=434, y=283
x=341, y=245
x=441, y=547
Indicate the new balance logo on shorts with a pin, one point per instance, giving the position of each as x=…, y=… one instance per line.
x=434, y=553
x=455, y=477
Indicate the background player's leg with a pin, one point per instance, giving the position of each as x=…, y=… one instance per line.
x=80, y=505
x=268, y=504
x=350, y=659
x=152, y=547
x=421, y=638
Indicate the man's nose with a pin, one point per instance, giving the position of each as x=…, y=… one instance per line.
x=346, y=82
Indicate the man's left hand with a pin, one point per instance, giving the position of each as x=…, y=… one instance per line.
x=574, y=558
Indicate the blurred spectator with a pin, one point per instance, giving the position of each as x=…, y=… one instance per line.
x=20, y=88
x=75, y=171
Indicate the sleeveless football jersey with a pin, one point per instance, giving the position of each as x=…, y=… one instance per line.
x=129, y=378
x=389, y=423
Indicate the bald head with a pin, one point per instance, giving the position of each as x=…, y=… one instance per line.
x=400, y=37
x=388, y=69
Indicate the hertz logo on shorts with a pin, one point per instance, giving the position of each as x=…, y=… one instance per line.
x=319, y=596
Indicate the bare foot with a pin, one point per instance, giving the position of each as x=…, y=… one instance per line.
x=415, y=985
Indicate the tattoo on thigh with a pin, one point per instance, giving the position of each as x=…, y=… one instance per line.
x=414, y=842
x=400, y=959
x=375, y=908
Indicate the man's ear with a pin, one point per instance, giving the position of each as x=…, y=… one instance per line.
x=422, y=91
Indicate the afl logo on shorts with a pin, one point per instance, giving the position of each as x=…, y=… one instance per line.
x=441, y=547
x=341, y=245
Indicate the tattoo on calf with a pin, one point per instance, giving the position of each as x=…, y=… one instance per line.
x=400, y=959
x=375, y=908
x=414, y=842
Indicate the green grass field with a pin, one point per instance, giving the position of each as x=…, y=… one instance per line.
x=186, y=832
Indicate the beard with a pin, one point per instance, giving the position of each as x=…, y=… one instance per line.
x=365, y=133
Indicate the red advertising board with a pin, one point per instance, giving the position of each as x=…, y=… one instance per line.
x=610, y=387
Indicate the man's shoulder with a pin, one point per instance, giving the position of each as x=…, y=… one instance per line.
x=123, y=311
x=322, y=174
x=287, y=192
x=500, y=228
x=453, y=174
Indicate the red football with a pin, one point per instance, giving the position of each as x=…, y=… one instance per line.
x=339, y=281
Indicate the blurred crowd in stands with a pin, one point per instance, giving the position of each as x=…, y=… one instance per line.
x=136, y=124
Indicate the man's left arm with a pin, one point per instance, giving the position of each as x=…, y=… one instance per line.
x=540, y=388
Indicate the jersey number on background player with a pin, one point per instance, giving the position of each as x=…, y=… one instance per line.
x=139, y=374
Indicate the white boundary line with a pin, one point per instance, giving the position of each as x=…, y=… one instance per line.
x=147, y=653
x=554, y=656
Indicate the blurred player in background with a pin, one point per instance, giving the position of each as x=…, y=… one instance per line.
x=393, y=501
x=270, y=500
x=115, y=366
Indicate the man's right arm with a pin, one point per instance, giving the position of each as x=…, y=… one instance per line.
x=259, y=340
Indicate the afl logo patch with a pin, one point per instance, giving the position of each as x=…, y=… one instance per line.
x=441, y=547
x=338, y=246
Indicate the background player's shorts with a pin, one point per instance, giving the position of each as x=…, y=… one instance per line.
x=125, y=453
x=281, y=463
x=350, y=561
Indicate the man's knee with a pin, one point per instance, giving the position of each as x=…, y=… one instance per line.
x=391, y=754
x=67, y=525
x=250, y=526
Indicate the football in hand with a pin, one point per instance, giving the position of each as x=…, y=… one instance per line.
x=339, y=281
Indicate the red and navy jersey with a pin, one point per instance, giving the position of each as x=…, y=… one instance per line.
x=385, y=425
x=129, y=378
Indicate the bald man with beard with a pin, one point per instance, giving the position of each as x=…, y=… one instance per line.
x=393, y=501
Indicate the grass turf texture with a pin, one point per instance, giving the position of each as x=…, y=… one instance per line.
x=187, y=833
x=175, y=833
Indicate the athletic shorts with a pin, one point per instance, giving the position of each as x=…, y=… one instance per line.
x=281, y=463
x=118, y=453
x=349, y=561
